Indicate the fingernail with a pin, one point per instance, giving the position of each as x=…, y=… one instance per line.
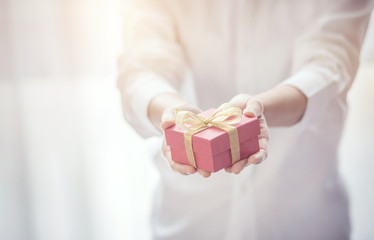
x=249, y=114
x=254, y=161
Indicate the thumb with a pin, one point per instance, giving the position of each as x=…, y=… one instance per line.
x=240, y=100
x=254, y=108
x=168, y=118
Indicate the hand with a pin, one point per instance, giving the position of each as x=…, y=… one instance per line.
x=168, y=120
x=252, y=108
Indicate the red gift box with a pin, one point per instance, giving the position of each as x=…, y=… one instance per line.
x=211, y=146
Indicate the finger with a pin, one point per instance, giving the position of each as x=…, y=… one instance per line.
x=168, y=118
x=240, y=100
x=238, y=166
x=182, y=168
x=263, y=138
x=261, y=155
x=254, y=108
x=228, y=169
x=190, y=108
x=263, y=143
x=258, y=157
x=204, y=173
x=178, y=167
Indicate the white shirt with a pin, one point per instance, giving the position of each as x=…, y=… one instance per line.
x=236, y=46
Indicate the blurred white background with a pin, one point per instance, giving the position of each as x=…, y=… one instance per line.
x=70, y=166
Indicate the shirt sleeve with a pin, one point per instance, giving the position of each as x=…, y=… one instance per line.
x=326, y=57
x=152, y=62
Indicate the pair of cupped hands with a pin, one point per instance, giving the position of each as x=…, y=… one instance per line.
x=251, y=107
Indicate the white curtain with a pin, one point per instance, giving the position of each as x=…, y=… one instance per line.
x=70, y=167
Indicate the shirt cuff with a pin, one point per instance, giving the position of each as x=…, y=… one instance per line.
x=317, y=86
x=139, y=93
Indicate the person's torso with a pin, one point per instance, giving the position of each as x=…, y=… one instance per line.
x=239, y=46
x=247, y=47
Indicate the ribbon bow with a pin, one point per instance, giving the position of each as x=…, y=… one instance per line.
x=223, y=117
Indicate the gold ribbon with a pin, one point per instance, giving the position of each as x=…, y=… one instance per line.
x=222, y=118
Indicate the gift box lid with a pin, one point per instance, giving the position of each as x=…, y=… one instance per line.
x=213, y=140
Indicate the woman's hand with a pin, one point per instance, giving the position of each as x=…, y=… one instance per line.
x=168, y=120
x=252, y=108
